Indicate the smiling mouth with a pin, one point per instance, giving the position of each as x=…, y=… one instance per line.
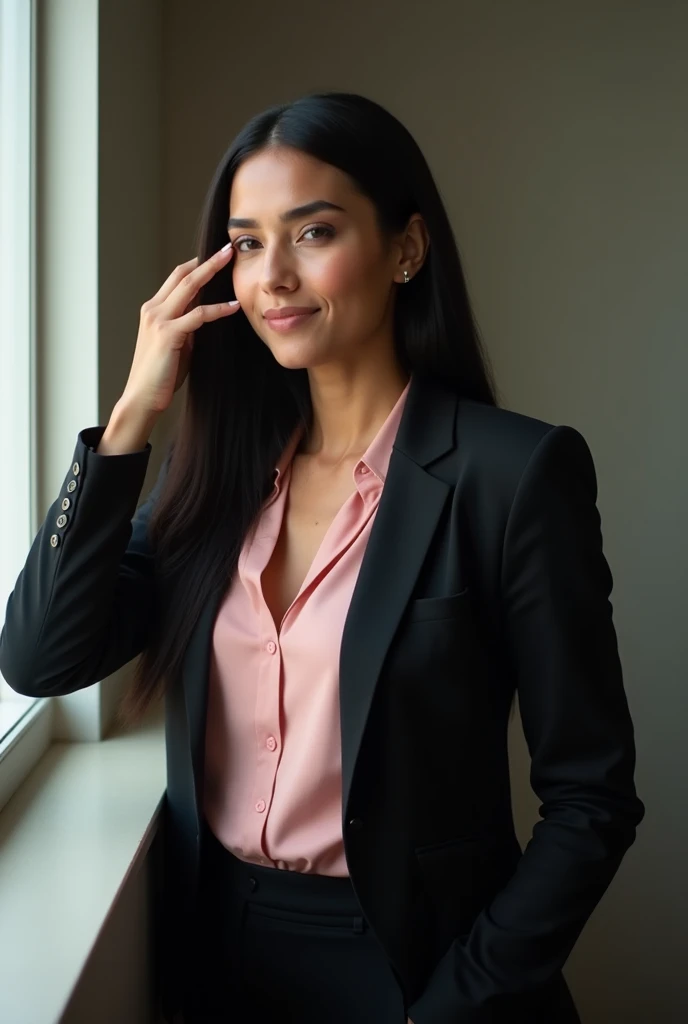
x=285, y=323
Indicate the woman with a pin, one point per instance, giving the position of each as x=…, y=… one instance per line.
x=350, y=563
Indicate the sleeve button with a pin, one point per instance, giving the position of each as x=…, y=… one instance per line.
x=71, y=486
x=54, y=540
x=66, y=503
x=61, y=520
x=76, y=469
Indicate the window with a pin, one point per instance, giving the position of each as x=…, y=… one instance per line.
x=18, y=517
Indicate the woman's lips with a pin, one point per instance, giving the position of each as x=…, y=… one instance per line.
x=288, y=323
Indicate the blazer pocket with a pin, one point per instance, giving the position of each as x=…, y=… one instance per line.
x=464, y=843
x=448, y=607
x=457, y=878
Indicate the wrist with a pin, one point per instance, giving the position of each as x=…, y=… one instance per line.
x=128, y=409
x=129, y=428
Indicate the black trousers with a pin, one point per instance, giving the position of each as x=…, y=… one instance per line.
x=283, y=947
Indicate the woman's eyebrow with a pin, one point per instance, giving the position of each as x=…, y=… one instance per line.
x=295, y=214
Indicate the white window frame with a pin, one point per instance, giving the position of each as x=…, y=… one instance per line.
x=19, y=715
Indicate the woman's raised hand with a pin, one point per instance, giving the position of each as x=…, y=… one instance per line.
x=166, y=333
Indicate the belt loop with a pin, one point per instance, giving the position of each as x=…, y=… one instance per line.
x=359, y=927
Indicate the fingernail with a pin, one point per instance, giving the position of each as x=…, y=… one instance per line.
x=226, y=247
x=233, y=302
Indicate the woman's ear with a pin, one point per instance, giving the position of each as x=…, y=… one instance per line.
x=415, y=242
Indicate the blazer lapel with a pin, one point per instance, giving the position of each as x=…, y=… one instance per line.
x=407, y=516
x=410, y=507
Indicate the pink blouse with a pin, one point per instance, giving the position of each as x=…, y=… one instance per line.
x=272, y=791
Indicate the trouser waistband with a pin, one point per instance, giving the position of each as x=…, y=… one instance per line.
x=291, y=890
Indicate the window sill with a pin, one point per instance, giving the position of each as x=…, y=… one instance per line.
x=25, y=732
x=12, y=710
x=70, y=836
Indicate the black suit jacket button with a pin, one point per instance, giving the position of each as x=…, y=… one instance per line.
x=61, y=520
x=253, y=884
x=54, y=540
x=356, y=824
x=76, y=468
x=65, y=504
x=71, y=486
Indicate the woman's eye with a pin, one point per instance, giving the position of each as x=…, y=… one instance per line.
x=328, y=233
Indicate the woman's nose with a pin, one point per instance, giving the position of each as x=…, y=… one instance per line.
x=278, y=268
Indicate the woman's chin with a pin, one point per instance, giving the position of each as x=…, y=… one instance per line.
x=294, y=356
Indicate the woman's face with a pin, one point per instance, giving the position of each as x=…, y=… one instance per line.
x=332, y=260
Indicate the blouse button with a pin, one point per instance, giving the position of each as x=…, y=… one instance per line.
x=260, y=806
x=272, y=743
x=271, y=647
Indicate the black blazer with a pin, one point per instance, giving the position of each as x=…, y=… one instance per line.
x=484, y=575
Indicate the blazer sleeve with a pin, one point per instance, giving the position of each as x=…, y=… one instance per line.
x=80, y=608
x=562, y=646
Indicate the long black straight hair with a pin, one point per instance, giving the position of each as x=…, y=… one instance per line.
x=242, y=406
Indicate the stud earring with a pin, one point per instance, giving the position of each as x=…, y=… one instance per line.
x=406, y=277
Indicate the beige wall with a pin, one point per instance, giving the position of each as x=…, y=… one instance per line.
x=129, y=212
x=559, y=138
